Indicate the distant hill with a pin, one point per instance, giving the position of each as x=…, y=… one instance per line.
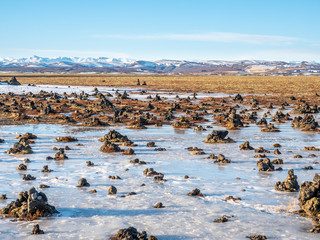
x=38, y=64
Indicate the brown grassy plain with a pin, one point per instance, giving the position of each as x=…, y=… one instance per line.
x=284, y=85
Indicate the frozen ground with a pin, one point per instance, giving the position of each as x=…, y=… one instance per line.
x=97, y=216
x=134, y=92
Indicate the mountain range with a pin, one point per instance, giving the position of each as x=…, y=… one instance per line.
x=36, y=64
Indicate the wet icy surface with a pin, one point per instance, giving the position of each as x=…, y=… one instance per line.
x=97, y=216
x=134, y=93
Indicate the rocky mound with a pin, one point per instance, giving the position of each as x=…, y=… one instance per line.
x=21, y=147
x=30, y=205
x=270, y=128
x=221, y=159
x=27, y=135
x=66, y=139
x=182, y=123
x=246, y=146
x=307, y=123
x=309, y=201
x=195, y=193
x=109, y=147
x=131, y=233
x=265, y=165
x=13, y=81
x=60, y=155
x=218, y=137
x=114, y=136
x=309, y=197
x=289, y=185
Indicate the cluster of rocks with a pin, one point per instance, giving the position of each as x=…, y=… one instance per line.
x=128, y=151
x=305, y=108
x=3, y=196
x=218, y=137
x=28, y=177
x=221, y=159
x=232, y=198
x=289, y=185
x=21, y=147
x=116, y=177
x=114, y=136
x=280, y=117
x=94, y=122
x=270, y=128
x=13, y=81
x=157, y=177
x=265, y=165
x=137, y=161
x=22, y=167
x=151, y=144
x=46, y=169
x=131, y=233
x=60, y=155
x=233, y=120
x=30, y=204
x=306, y=123
x=160, y=149
x=312, y=148
x=195, y=150
x=261, y=150
x=27, y=136
x=66, y=139
x=223, y=219
x=36, y=230
x=199, y=128
x=109, y=147
x=309, y=201
x=182, y=123
x=246, y=146
x=257, y=237
x=195, y=193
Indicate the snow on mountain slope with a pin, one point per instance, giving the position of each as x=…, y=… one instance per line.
x=126, y=65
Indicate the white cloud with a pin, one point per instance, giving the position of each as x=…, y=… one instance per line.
x=283, y=55
x=225, y=37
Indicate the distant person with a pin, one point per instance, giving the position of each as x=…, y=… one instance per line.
x=144, y=83
x=138, y=83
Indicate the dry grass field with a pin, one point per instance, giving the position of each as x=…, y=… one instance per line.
x=219, y=84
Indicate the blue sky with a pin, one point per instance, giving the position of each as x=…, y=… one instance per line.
x=176, y=29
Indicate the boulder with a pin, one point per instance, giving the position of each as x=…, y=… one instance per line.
x=30, y=205
x=131, y=233
x=109, y=147
x=246, y=146
x=289, y=185
x=257, y=237
x=218, y=137
x=66, y=139
x=114, y=136
x=21, y=147
x=112, y=190
x=83, y=183
x=222, y=160
x=13, y=81
x=36, y=229
x=195, y=193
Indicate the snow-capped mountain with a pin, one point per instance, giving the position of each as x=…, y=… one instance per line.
x=125, y=65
